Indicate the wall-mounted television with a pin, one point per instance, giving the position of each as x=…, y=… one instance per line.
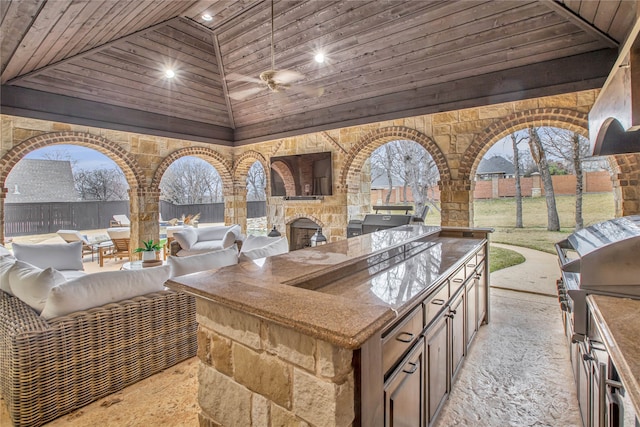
x=302, y=175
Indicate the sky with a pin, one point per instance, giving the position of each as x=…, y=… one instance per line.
x=86, y=158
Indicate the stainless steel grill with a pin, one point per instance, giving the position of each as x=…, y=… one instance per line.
x=600, y=259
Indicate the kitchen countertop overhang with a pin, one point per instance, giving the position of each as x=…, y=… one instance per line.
x=343, y=292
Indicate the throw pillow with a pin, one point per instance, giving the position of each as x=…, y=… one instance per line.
x=228, y=239
x=61, y=256
x=94, y=290
x=187, y=237
x=6, y=262
x=31, y=284
x=201, y=262
x=255, y=247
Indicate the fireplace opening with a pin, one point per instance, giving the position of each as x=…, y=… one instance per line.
x=301, y=231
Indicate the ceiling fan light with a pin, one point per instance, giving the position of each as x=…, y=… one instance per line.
x=319, y=57
x=169, y=73
x=207, y=17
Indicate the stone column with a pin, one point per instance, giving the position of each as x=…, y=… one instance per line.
x=235, y=206
x=144, y=212
x=456, y=202
x=3, y=197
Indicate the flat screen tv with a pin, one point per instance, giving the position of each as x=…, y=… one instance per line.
x=302, y=175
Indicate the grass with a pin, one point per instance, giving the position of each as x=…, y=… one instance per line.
x=500, y=258
x=500, y=214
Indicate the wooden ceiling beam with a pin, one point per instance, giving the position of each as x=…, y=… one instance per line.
x=580, y=22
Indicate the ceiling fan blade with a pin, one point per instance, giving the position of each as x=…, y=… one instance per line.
x=287, y=76
x=313, y=92
x=241, y=95
x=235, y=77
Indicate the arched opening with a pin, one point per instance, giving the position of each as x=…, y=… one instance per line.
x=256, y=199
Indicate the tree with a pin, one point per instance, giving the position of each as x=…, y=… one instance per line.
x=60, y=153
x=515, y=140
x=383, y=163
x=190, y=180
x=101, y=184
x=540, y=157
x=256, y=183
x=572, y=148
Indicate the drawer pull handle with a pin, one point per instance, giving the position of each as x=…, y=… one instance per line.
x=409, y=337
x=438, y=301
x=458, y=280
x=471, y=265
x=414, y=367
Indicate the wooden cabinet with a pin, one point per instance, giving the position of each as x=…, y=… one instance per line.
x=425, y=349
x=404, y=391
x=437, y=357
x=456, y=316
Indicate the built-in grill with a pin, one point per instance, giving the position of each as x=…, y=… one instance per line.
x=376, y=221
x=600, y=259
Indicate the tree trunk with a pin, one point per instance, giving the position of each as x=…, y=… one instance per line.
x=577, y=165
x=516, y=165
x=540, y=157
x=389, y=176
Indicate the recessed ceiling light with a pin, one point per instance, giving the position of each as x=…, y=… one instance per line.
x=169, y=73
x=207, y=17
x=319, y=58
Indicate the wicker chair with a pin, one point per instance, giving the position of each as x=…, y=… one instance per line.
x=50, y=368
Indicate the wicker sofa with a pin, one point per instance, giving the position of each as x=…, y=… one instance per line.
x=52, y=367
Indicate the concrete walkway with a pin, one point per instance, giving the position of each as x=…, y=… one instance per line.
x=538, y=274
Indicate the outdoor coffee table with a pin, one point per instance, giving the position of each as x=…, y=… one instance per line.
x=137, y=265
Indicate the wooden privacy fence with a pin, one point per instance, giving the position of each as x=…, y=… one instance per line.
x=21, y=219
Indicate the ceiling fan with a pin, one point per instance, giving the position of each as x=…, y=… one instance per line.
x=275, y=80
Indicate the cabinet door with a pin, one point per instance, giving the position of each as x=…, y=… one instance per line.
x=458, y=342
x=404, y=391
x=437, y=372
x=472, y=309
x=482, y=294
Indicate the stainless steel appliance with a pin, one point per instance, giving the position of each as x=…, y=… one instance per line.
x=600, y=259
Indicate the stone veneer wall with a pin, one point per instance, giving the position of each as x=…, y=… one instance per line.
x=255, y=373
x=457, y=140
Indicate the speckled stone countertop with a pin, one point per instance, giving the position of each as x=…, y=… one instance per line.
x=342, y=292
x=617, y=320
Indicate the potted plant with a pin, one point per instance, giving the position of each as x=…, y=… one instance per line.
x=149, y=250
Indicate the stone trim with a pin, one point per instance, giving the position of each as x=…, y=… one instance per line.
x=573, y=120
x=132, y=171
x=361, y=151
x=222, y=165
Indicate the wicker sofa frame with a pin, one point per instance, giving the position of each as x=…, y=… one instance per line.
x=50, y=368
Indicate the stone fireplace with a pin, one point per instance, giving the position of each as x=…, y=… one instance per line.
x=300, y=232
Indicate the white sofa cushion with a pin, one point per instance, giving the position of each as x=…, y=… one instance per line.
x=201, y=262
x=6, y=262
x=61, y=256
x=255, y=247
x=4, y=251
x=202, y=247
x=31, y=284
x=186, y=238
x=94, y=290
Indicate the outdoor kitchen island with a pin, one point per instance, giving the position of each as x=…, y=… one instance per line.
x=367, y=331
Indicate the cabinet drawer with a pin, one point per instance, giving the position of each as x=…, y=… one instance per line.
x=480, y=255
x=457, y=279
x=435, y=303
x=470, y=266
x=401, y=337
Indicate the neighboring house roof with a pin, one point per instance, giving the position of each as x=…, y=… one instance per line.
x=495, y=165
x=38, y=181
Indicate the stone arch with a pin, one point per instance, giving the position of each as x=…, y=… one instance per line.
x=288, y=221
x=626, y=182
x=222, y=165
x=359, y=154
x=127, y=163
x=243, y=163
x=565, y=118
x=282, y=169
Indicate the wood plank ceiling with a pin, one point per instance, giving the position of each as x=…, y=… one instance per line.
x=102, y=62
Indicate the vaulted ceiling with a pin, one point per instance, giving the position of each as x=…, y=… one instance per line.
x=102, y=62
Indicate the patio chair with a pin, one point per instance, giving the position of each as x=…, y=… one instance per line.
x=120, y=248
x=71, y=236
x=120, y=221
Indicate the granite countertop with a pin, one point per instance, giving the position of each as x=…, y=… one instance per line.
x=342, y=292
x=617, y=320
